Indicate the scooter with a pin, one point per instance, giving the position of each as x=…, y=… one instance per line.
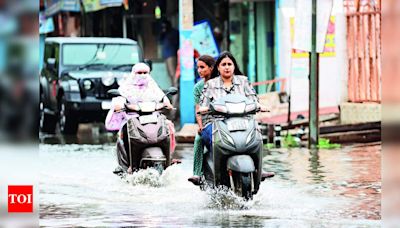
x=145, y=138
x=237, y=147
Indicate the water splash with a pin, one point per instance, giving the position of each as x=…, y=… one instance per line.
x=147, y=177
x=173, y=175
x=150, y=177
x=223, y=198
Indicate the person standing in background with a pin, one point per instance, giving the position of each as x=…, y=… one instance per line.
x=169, y=38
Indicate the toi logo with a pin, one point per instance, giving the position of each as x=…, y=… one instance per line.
x=20, y=198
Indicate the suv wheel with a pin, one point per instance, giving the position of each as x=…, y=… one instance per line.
x=68, y=120
x=47, y=122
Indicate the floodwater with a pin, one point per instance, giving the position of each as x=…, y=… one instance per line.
x=331, y=188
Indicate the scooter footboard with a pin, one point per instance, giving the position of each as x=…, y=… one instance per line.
x=241, y=163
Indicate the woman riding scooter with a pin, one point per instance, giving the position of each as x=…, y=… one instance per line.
x=226, y=79
x=139, y=87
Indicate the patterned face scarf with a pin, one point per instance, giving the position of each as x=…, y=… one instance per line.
x=140, y=73
x=141, y=81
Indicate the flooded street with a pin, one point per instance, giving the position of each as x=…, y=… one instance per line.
x=334, y=188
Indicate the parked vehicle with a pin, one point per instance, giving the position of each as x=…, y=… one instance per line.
x=77, y=73
x=145, y=140
x=236, y=160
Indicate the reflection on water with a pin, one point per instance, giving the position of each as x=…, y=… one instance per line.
x=315, y=168
x=331, y=188
x=87, y=134
x=352, y=172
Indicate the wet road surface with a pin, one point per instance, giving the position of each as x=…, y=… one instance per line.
x=331, y=188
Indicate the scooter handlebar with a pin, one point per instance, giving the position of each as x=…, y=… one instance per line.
x=203, y=112
x=259, y=110
x=136, y=108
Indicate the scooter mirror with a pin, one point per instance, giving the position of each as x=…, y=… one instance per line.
x=113, y=92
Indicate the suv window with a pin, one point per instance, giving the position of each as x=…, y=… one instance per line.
x=51, y=51
x=48, y=52
x=107, y=54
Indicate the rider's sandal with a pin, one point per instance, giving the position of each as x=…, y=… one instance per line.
x=196, y=180
x=118, y=170
x=266, y=175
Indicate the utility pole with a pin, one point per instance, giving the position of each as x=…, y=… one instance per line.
x=187, y=112
x=313, y=134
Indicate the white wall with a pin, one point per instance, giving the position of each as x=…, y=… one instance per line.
x=332, y=70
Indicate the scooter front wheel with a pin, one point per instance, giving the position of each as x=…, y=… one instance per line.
x=243, y=185
x=159, y=166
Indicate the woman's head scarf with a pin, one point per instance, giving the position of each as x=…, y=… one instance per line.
x=140, y=85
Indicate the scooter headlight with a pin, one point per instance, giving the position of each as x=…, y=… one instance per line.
x=227, y=138
x=147, y=106
x=251, y=107
x=220, y=108
x=236, y=108
x=250, y=137
x=132, y=107
x=159, y=106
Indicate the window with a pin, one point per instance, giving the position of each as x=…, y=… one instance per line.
x=107, y=54
x=51, y=50
x=48, y=52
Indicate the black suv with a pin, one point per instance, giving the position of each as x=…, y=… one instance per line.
x=76, y=76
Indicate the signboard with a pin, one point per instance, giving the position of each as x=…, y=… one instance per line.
x=302, y=24
x=329, y=46
x=71, y=5
x=46, y=25
x=203, y=39
x=111, y=2
x=92, y=5
x=54, y=6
